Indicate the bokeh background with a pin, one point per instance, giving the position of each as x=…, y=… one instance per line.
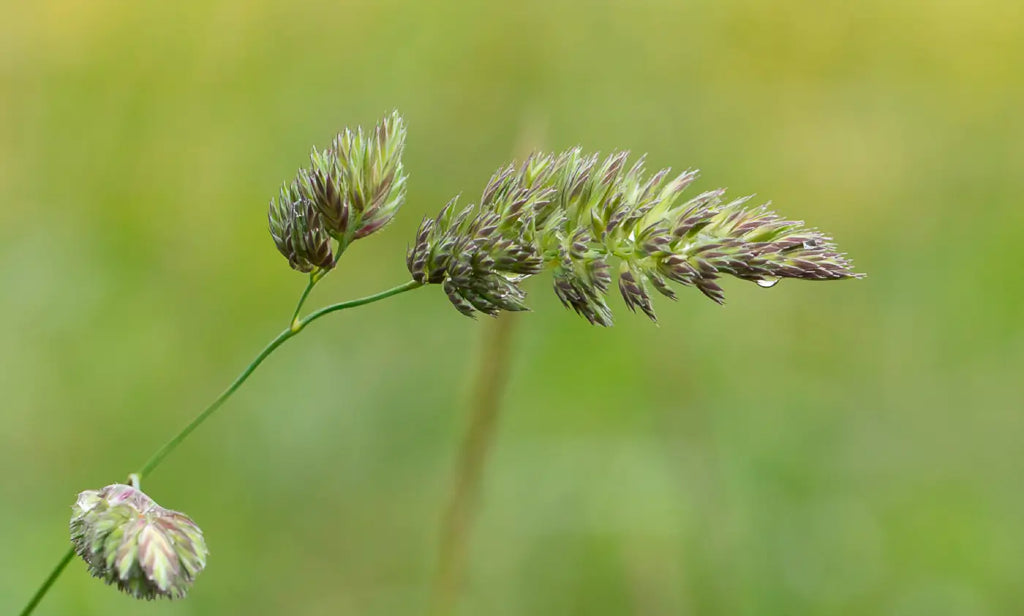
x=837, y=448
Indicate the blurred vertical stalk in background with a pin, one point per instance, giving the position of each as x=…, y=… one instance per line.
x=488, y=387
x=484, y=409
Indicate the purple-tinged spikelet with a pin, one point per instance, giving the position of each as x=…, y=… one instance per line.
x=350, y=190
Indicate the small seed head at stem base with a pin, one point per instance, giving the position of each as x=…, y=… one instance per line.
x=129, y=541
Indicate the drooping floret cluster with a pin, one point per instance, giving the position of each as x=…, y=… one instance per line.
x=130, y=541
x=351, y=189
x=578, y=214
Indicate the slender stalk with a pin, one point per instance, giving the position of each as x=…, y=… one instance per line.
x=488, y=387
x=36, y=598
x=296, y=326
x=172, y=444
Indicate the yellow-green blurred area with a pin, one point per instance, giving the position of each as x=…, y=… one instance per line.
x=816, y=448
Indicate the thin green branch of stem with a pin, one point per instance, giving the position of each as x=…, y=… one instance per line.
x=297, y=325
x=313, y=279
x=36, y=598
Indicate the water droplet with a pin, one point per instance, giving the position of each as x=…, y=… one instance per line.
x=767, y=283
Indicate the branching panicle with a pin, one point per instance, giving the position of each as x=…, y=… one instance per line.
x=578, y=215
x=575, y=213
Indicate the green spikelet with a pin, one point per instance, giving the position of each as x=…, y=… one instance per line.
x=577, y=214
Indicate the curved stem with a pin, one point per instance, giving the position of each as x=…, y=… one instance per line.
x=36, y=598
x=172, y=444
x=297, y=325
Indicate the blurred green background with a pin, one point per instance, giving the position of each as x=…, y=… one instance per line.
x=841, y=448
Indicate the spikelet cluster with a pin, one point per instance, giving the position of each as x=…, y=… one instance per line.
x=130, y=541
x=350, y=190
x=589, y=219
